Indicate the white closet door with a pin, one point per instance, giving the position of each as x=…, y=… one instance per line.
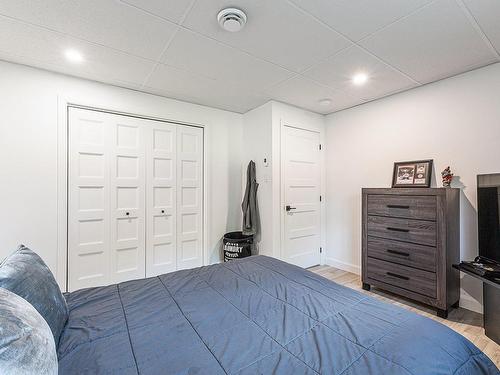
x=127, y=184
x=189, y=197
x=161, y=198
x=88, y=194
x=135, y=198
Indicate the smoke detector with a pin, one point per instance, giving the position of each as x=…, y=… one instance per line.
x=232, y=19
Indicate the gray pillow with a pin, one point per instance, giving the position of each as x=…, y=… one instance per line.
x=26, y=342
x=25, y=274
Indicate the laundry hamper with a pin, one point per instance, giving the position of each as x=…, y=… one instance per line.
x=237, y=245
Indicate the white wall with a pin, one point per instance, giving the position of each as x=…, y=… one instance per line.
x=29, y=160
x=456, y=122
x=257, y=146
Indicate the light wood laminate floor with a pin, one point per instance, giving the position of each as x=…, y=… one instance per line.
x=465, y=322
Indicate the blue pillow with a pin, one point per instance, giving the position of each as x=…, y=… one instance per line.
x=26, y=342
x=25, y=274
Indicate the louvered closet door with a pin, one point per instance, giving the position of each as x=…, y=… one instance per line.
x=189, y=197
x=161, y=198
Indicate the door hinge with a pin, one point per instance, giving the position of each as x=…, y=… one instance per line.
x=320, y=198
x=320, y=250
x=320, y=146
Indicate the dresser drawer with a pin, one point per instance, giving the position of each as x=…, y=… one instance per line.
x=408, y=278
x=407, y=254
x=404, y=206
x=408, y=230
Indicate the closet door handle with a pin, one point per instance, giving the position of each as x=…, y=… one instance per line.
x=398, y=229
x=398, y=252
x=397, y=276
x=288, y=208
x=398, y=206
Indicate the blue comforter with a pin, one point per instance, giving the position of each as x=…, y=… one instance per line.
x=257, y=315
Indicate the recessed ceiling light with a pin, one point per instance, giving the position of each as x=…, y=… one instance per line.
x=73, y=55
x=232, y=19
x=359, y=79
x=325, y=102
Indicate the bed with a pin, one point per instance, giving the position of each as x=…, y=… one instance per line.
x=256, y=315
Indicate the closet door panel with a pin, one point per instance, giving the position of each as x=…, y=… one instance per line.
x=127, y=199
x=189, y=197
x=161, y=198
x=88, y=192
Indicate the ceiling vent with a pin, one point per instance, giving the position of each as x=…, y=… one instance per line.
x=232, y=19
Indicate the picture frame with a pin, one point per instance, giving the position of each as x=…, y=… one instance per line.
x=412, y=174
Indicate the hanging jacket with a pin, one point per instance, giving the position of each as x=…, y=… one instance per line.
x=249, y=205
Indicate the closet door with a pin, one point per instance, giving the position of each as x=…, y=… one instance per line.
x=161, y=199
x=106, y=191
x=127, y=188
x=88, y=197
x=135, y=198
x=189, y=197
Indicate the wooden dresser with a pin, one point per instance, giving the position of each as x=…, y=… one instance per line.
x=411, y=238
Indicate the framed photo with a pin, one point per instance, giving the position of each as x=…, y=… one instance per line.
x=412, y=174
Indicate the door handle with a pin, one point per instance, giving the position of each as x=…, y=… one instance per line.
x=289, y=208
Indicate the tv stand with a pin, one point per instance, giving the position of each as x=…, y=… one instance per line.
x=491, y=303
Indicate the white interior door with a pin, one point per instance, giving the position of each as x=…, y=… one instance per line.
x=189, y=197
x=302, y=189
x=135, y=195
x=89, y=242
x=127, y=182
x=161, y=255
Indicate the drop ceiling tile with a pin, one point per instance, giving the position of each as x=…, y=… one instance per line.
x=337, y=72
x=208, y=57
x=35, y=46
x=436, y=42
x=175, y=83
x=172, y=10
x=105, y=22
x=304, y=93
x=487, y=14
x=359, y=18
x=275, y=31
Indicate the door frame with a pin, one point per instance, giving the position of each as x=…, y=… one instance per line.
x=282, y=203
x=63, y=105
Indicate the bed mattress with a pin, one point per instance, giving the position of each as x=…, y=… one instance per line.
x=256, y=315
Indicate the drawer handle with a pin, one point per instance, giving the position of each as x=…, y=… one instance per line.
x=398, y=276
x=398, y=229
x=398, y=206
x=398, y=253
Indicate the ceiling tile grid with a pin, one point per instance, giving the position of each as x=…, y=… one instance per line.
x=295, y=51
x=437, y=42
x=32, y=45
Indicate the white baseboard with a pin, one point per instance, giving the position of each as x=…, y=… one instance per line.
x=344, y=266
x=469, y=303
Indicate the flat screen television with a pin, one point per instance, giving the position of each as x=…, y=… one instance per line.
x=488, y=212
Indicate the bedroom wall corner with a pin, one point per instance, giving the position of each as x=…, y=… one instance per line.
x=455, y=121
x=29, y=159
x=262, y=140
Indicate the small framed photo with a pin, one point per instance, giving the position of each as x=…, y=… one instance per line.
x=412, y=174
